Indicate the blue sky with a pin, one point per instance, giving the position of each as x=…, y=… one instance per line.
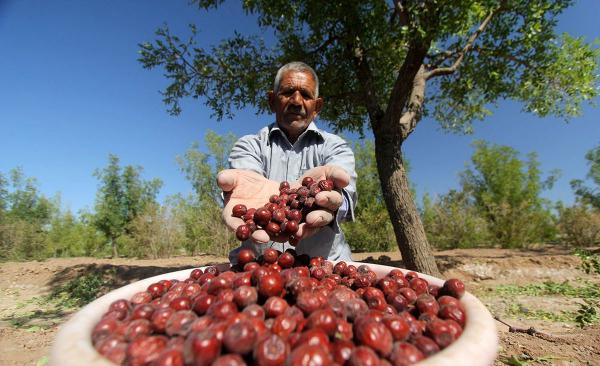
x=72, y=92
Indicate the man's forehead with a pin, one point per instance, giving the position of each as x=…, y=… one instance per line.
x=293, y=77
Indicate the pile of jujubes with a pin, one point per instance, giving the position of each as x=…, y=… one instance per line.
x=283, y=214
x=283, y=309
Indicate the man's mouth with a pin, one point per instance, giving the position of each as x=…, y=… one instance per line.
x=296, y=112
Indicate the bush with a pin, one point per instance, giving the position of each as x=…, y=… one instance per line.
x=579, y=225
x=452, y=221
x=507, y=193
x=155, y=233
x=371, y=231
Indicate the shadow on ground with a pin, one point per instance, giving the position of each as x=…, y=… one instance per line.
x=43, y=319
x=115, y=275
x=444, y=262
x=77, y=285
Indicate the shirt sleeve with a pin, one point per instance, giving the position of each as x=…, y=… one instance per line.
x=338, y=152
x=245, y=154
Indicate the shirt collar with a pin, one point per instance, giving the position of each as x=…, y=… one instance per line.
x=312, y=128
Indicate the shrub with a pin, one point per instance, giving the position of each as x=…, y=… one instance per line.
x=452, y=221
x=579, y=225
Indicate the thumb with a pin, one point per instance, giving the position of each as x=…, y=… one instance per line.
x=339, y=176
x=227, y=180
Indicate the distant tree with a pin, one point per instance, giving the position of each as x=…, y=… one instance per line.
x=376, y=59
x=586, y=194
x=120, y=197
x=25, y=201
x=201, y=212
x=3, y=196
x=372, y=229
x=453, y=221
x=156, y=233
x=579, y=225
x=25, y=215
x=507, y=192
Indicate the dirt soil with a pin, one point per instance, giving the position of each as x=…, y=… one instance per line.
x=29, y=321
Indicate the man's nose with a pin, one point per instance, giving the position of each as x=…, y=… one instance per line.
x=296, y=98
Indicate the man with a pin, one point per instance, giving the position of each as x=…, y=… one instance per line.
x=289, y=150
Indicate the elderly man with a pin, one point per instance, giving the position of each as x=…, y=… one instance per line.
x=289, y=150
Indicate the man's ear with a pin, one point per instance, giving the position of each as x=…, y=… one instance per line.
x=271, y=100
x=318, y=105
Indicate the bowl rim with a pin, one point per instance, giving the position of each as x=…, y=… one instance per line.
x=477, y=346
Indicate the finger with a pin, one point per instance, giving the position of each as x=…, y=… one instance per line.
x=230, y=221
x=227, y=180
x=305, y=231
x=260, y=236
x=339, y=176
x=318, y=218
x=331, y=200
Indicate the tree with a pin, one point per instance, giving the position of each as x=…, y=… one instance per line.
x=371, y=230
x=506, y=191
x=386, y=64
x=453, y=221
x=25, y=215
x=120, y=198
x=155, y=232
x=3, y=196
x=201, y=213
x=587, y=195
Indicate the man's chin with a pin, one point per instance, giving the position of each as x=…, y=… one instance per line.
x=295, y=119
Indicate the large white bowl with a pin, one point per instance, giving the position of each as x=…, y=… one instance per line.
x=477, y=346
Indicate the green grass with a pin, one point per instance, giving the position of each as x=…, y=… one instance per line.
x=83, y=289
x=524, y=360
x=518, y=310
x=588, y=311
x=590, y=263
x=587, y=290
x=50, y=310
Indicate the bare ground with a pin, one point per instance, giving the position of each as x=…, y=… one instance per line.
x=28, y=321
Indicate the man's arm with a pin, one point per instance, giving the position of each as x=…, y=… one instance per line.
x=245, y=154
x=338, y=153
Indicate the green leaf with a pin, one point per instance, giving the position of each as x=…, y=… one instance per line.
x=42, y=361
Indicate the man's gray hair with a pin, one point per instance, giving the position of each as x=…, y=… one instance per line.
x=298, y=67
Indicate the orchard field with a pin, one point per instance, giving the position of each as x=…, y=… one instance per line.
x=545, y=288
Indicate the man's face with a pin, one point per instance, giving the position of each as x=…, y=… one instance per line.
x=294, y=104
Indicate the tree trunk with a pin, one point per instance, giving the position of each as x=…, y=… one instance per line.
x=113, y=243
x=410, y=234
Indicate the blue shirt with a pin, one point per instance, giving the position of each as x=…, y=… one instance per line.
x=271, y=154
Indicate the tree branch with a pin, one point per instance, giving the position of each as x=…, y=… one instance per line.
x=403, y=89
x=512, y=58
x=414, y=110
x=437, y=59
x=365, y=76
x=450, y=70
x=401, y=12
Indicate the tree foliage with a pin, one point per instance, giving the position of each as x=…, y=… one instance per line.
x=122, y=195
x=579, y=225
x=25, y=214
x=452, y=220
x=506, y=191
x=371, y=230
x=516, y=55
x=200, y=213
x=155, y=232
x=384, y=65
x=590, y=195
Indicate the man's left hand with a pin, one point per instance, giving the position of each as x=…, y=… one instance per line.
x=328, y=201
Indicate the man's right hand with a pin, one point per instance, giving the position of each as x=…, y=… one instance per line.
x=248, y=188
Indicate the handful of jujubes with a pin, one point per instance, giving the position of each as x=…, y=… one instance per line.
x=284, y=213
